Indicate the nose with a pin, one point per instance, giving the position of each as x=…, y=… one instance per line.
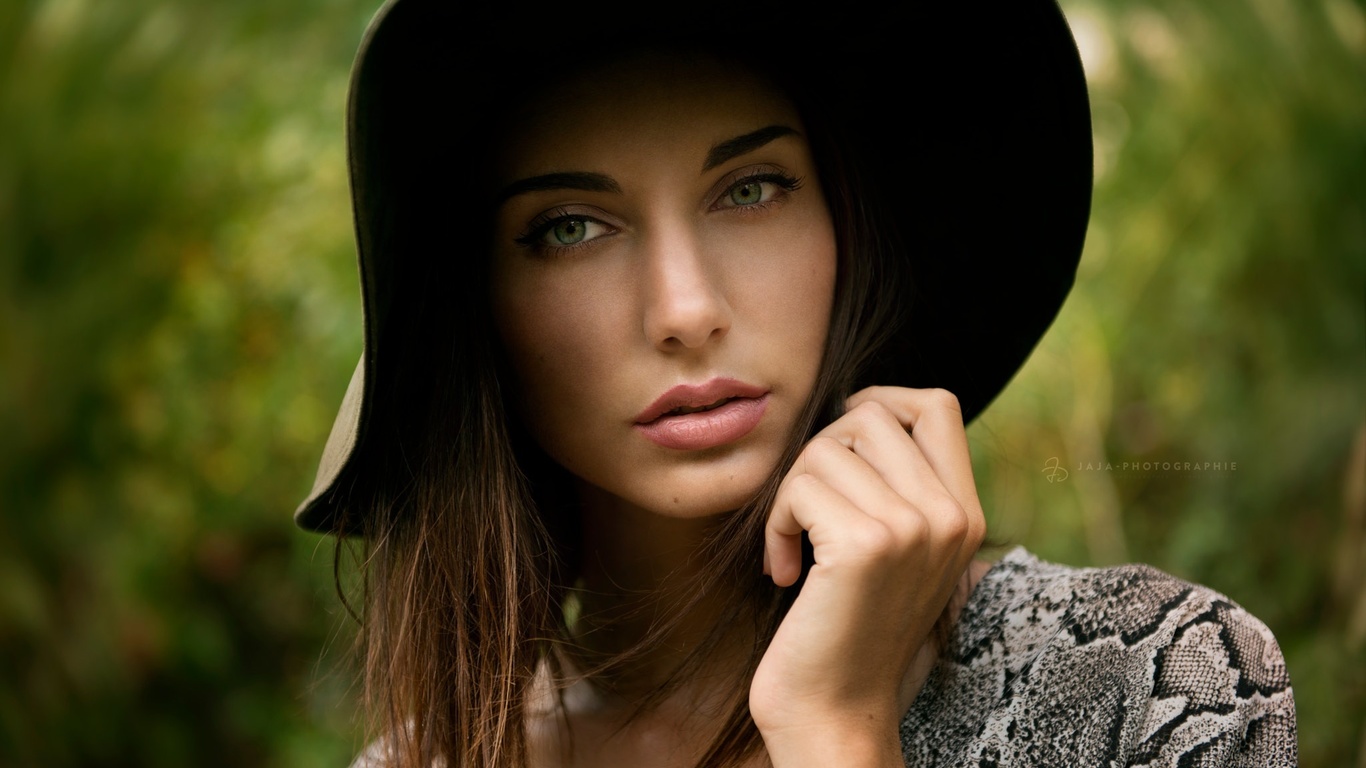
x=684, y=299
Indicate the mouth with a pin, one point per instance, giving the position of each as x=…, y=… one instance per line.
x=711, y=395
x=698, y=417
x=682, y=409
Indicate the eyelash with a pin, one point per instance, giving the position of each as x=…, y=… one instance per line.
x=786, y=183
x=537, y=229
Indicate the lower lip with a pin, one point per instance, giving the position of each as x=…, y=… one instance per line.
x=707, y=429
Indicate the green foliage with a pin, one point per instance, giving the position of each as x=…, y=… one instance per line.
x=179, y=315
x=1219, y=318
x=178, y=293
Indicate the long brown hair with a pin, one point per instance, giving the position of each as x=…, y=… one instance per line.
x=466, y=542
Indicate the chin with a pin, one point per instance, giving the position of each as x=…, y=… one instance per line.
x=705, y=490
x=696, y=507
x=674, y=485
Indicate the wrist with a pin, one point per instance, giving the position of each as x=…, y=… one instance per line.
x=862, y=745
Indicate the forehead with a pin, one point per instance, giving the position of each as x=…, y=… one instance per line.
x=681, y=103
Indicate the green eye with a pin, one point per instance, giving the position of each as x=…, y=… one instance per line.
x=557, y=231
x=569, y=231
x=747, y=193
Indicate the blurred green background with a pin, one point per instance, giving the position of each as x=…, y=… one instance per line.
x=179, y=316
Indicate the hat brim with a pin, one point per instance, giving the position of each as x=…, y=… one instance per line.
x=974, y=125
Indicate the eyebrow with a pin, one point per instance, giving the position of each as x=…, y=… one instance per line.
x=599, y=182
x=741, y=145
x=588, y=182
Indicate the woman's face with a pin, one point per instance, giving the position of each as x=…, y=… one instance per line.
x=662, y=246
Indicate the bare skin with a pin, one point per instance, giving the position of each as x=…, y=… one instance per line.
x=675, y=735
x=671, y=257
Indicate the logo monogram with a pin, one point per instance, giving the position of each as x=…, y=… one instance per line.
x=1052, y=469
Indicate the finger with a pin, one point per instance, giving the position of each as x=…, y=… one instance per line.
x=807, y=503
x=873, y=432
x=864, y=486
x=953, y=529
x=934, y=421
x=924, y=514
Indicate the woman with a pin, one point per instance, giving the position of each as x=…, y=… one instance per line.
x=657, y=446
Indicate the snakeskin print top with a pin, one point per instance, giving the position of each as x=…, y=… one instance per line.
x=1125, y=666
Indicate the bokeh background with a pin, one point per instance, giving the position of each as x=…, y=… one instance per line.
x=179, y=316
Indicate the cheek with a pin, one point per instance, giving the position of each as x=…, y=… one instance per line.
x=810, y=297
x=788, y=288
x=800, y=303
x=553, y=335
x=812, y=283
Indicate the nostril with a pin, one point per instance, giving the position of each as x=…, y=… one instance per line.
x=699, y=334
x=684, y=297
x=691, y=323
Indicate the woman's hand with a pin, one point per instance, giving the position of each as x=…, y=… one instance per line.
x=887, y=496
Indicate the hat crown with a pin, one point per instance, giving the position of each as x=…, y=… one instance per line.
x=971, y=130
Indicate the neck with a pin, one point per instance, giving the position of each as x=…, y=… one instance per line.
x=637, y=569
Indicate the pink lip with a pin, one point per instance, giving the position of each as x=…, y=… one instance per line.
x=724, y=424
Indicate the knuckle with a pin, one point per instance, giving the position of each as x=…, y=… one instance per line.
x=955, y=527
x=977, y=529
x=946, y=400
x=822, y=448
x=874, y=539
x=871, y=412
x=804, y=483
x=912, y=527
x=862, y=395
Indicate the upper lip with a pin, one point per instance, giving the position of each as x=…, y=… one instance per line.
x=697, y=395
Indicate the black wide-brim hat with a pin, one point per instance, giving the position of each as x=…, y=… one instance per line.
x=969, y=121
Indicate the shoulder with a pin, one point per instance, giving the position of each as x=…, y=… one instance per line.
x=1127, y=665
x=380, y=753
x=377, y=754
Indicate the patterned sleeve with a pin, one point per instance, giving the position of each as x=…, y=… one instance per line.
x=1121, y=666
x=1221, y=695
